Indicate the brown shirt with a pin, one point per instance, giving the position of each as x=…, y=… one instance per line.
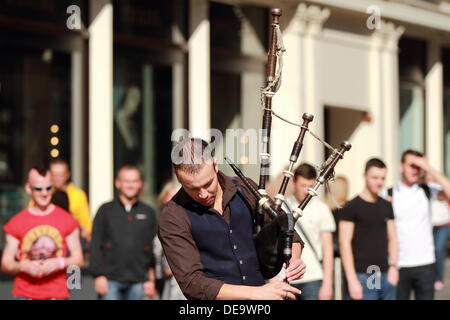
x=179, y=245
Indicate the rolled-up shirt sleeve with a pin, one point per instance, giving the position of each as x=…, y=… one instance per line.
x=183, y=256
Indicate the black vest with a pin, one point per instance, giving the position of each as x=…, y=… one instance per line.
x=227, y=252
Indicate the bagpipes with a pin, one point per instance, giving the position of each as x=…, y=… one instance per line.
x=273, y=241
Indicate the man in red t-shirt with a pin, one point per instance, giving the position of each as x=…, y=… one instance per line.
x=37, y=241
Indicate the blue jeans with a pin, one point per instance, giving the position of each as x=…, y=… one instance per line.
x=310, y=290
x=440, y=235
x=385, y=290
x=124, y=291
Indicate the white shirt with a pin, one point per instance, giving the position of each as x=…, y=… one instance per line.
x=413, y=224
x=440, y=210
x=317, y=218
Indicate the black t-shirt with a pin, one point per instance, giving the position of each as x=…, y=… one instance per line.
x=370, y=240
x=336, y=215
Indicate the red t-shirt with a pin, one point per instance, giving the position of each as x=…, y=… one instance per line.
x=41, y=237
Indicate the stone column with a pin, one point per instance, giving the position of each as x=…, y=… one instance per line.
x=101, y=157
x=199, y=69
x=314, y=17
x=77, y=132
x=434, y=106
x=390, y=101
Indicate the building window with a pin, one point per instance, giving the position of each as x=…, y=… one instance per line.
x=411, y=117
x=35, y=122
x=238, y=47
x=145, y=56
x=35, y=92
x=412, y=94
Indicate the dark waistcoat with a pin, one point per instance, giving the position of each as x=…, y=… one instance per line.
x=227, y=252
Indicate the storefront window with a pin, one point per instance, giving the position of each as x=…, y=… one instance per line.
x=411, y=117
x=150, y=19
x=143, y=121
x=145, y=59
x=34, y=118
x=412, y=95
x=238, y=39
x=35, y=92
x=51, y=12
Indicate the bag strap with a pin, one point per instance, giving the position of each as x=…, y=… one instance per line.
x=241, y=194
x=426, y=189
x=424, y=186
x=390, y=192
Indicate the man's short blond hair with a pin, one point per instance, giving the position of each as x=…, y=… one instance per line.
x=190, y=155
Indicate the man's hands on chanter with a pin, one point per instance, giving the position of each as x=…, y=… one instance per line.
x=275, y=290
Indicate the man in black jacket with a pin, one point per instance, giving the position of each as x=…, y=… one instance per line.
x=122, y=260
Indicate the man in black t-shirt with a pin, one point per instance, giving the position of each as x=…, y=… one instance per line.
x=367, y=240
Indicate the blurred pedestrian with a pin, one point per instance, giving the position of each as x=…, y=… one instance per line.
x=367, y=239
x=37, y=241
x=78, y=203
x=171, y=290
x=61, y=199
x=122, y=260
x=336, y=197
x=440, y=218
x=315, y=227
x=411, y=202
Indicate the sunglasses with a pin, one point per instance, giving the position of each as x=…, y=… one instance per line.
x=39, y=189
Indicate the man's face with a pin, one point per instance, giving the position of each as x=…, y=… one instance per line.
x=39, y=188
x=60, y=175
x=201, y=186
x=129, y=183
x=375, y=178
x=410, y=171
x=301, y=186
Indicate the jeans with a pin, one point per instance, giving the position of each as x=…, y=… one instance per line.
x=310, y=290
x=420, y=280
x=124, y=291
x=440, y=235
x=376, y=287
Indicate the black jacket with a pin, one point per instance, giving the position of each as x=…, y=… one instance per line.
x=122, y=242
